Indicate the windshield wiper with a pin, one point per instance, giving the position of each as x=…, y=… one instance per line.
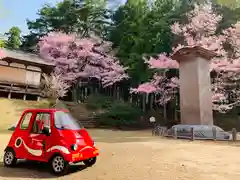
x=60, y=127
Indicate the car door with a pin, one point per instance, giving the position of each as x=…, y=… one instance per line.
x=21, y=135
x=37, y=140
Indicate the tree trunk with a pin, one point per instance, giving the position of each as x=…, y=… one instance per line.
x=144, y=102
x=164, y=106
x=118, y=93
x=130, y=99
x=151, y=98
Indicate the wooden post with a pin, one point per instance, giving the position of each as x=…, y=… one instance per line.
x=175, y=133
x=153, y=128
x=10, y=92
x=192, y=134
x=234, y=134
x=214, y=130
x=164, y=130
x=9, y=95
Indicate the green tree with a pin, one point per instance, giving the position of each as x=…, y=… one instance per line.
x=140, y=28
x=92, y=17
x=2, y=43
x=230, y=16
x=14, y=38
x=233, y=4
x=84, y=17
x=126, y=36
x=29, y=42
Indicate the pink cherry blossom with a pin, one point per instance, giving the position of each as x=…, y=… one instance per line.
x=145, y=88
x=162, y=62
x=54, y=86
x=161, y=85
x=81, y=58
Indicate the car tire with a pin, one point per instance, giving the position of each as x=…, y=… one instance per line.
x=9, y=158
x=59, y=165
x=90, y=161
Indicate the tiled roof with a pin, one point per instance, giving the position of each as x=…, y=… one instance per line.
x=27, y=57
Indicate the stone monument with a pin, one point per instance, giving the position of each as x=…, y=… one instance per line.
x=195, y=85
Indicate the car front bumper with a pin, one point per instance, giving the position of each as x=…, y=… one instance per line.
x=81, y=156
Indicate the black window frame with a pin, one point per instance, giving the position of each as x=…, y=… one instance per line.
x=34, y=121
x=23, y=120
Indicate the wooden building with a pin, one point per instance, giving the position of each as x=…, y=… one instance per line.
x=20, y=73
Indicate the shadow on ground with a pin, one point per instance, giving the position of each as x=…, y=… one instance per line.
x=123, y=140
x=28, y=169
x=118, y=136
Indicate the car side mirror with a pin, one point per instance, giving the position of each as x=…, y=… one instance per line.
x=46, y=131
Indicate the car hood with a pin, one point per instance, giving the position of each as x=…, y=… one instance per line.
x=79, y=137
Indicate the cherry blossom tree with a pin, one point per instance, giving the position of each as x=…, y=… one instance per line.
x=53, y=86
x=160, y=84
x=81, y=58
x=201, y=31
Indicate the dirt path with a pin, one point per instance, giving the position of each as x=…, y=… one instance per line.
x=137, y=156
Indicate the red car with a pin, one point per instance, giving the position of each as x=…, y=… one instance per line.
x=51, y=136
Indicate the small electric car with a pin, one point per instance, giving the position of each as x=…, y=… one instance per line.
x=51, y=136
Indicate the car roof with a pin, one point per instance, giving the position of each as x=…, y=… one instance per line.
x=49, y=110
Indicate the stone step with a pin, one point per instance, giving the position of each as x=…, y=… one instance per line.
x=88, y=123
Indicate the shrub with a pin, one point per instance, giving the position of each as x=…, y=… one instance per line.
x=114, y=113
x=120, y=115
x=99, y=101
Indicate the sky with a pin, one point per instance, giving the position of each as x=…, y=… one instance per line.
x=15, y=13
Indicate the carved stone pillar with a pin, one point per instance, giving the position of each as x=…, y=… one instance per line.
x=195, y=85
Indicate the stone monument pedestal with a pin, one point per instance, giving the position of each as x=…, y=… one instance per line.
x=195, y=85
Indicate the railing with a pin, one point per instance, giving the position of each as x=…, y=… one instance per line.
x=193, y=134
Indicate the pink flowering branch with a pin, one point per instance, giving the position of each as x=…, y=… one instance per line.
x=53, y=86
x=82, y=58
x=162, y=62
x=160, y=85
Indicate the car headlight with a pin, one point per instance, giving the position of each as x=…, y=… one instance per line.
x=74, y=147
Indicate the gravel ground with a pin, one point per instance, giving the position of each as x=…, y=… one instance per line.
x=138, y=156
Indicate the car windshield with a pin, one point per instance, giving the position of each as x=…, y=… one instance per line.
x=63, y=120
x=219, y=129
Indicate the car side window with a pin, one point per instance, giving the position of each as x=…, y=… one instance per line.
x=41, y=119
x=26, y=121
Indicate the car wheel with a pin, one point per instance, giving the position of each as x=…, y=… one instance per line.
x=90, y=161
x=9, y=158
x=59, y=166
